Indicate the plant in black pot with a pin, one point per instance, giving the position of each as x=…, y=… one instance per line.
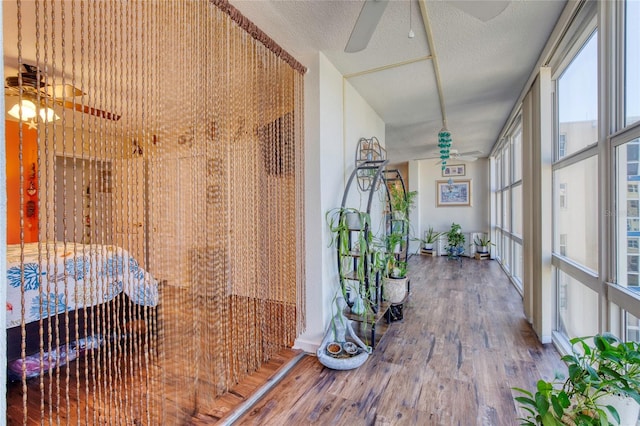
x=455, y=241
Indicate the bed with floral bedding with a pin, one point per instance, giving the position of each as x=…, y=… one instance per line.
x=54, y=279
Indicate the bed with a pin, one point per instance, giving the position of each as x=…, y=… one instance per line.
x=72, y=278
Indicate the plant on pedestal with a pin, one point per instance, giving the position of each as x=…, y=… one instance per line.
x=455, y=241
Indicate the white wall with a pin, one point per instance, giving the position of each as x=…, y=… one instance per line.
x=333, y=126
x=472, y=219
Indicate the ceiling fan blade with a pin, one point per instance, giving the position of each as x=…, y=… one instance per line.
x=366, y=23
x=63, y=91
x=484, y=10
x=88, y=110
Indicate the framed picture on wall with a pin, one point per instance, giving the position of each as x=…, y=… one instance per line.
x=454, y=170
x=454, y=193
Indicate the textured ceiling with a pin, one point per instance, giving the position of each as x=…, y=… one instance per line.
x=483, y=64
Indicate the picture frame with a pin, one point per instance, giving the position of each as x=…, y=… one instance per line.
x=456, y=193
x=454, y=170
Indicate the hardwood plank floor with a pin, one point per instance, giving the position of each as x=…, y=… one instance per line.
x=453, y=359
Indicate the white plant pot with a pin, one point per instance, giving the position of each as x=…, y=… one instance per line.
x=428, y=246
x=627, y=408
x=353, y=220
x=482, y=249
x=399, y=215
x=395, y=289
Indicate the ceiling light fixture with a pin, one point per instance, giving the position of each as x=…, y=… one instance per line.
x=23, y=110
x=47, y=115
x=26, y=110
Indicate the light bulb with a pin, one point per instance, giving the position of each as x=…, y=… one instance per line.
x=411, y=34
x=47, y=114
x=28, y=109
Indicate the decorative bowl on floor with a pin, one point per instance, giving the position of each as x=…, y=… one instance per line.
x=350, y=348
x=334, y=348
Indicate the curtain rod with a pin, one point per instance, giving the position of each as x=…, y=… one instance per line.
x=255, y=32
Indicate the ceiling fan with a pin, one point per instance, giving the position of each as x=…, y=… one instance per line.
x=34, y=84
x=454, y=155
x=372, y=11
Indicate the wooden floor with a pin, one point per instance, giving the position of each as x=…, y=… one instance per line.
x=452, y=360
x=462, y=345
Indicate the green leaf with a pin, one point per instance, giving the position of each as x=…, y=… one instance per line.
x=614, y=413
x=542, y=404
x=525, y=400
x=557, y=405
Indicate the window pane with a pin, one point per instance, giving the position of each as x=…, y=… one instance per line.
x=506, y=160
x=517, y=263
x=516, y=209
x=578, y=100
x=499, y=183
x=517, y=155
x=499, y=209
x=506, y=252
x=633, y=328
x=578, y=219
x=632, y=58
x=577, y=305
x=506, y=211
x=628, y=215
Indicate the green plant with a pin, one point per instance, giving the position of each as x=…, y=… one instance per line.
x=607, y=367
x=455, y=240
x=401, y=201
x=557, y=403
x=432, y=236
x=398, y=269
x=482, y=241
x=338, y=221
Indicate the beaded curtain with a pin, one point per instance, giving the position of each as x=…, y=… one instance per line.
x=173, y=168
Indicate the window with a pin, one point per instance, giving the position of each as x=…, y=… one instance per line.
x=562, y=145
x=578, y=99
x=517, y=155
x=632, y=62
x=576, y=265
x=632, y=208
x=633, y=225
x=576, y=303
x=632, y=152
x=632, y=169
x=632, y=189
x=562, y=192
x=632, y=245
x=632, y=264
x=632, y=280
x=579, y=219
x=563, y=244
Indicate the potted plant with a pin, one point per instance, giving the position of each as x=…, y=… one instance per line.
x=603, y=386
x=482, y=244
x=430, y=238
x=401, y=203
x=395, y=283
x=342, y=222
x=455, y=241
